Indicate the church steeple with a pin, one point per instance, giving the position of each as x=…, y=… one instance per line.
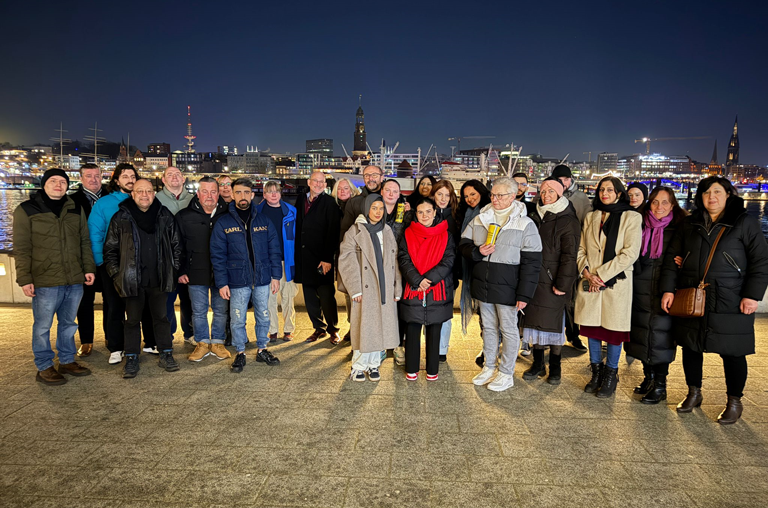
x=360, y=147
x=733, y=146
x=714, y=154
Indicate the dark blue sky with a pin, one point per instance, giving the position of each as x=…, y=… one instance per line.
x=555, y=77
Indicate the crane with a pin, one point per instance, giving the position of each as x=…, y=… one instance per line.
x=458, y=140
x=647, y=141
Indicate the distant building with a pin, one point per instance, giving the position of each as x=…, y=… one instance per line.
x=746, y=172
x=159, y=148
x=360, y=146
x=285, y=164
x=640, y=165
x=607, y=162
x=47, y=150
x=470, y=161
x=71, y=162
x=156, y=162
x=227, y=149
x=733, y=148
x=260, y=163
x=305, y=163
x=213, y=163
x=404, y=170
x=236, y=163
x=188, y=162
x=322, y=147
x=392, y=161
x=138, y=160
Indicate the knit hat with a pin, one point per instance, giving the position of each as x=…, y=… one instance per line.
x=562, y=171
x=643, y=188
x=53, y=172
x=554, y=183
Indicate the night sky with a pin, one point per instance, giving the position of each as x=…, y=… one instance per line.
x=554, y=77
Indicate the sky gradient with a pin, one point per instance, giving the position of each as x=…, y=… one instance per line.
x=554, y=77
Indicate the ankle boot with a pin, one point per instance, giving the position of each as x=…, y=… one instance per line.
x=597, y=377
x=610, y=380
x=645, y=386
x=554, y=369
x=658, y=391
x=692, y=400
x=732, y=411
x=537, y=368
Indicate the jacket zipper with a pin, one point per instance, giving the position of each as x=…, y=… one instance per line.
x=685, y=259
x=731, y=262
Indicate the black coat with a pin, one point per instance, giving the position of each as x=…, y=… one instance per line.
x=560, y=235
x=195, y=232
x=81, y=199
x=650, y=339
x=317, y=239
x=739, y=270
x=121, y=251
x=352, y=209
x=413, y=310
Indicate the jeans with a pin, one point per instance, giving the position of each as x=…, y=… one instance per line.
x=199, y=298
x=135, y=316
x=185, y=310
x=445, y=337
x=502, y=319
x=596, y=353
x=238, y=311
x=62, y=301
x=288, y=291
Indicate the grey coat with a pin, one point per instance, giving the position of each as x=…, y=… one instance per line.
x=579, y=200
x=171, y=203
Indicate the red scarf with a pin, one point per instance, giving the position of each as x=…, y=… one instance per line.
x=426, y=247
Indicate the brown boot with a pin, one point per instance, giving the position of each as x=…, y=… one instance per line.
x=85, y=350
x=692, y=400
x=73, y=369
x=49, y=376
x=732, y=411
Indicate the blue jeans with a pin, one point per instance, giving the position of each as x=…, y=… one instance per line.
x=199, y=297
x=63, y=301
x=238, y=312
x=445, y=337
x=596, y=353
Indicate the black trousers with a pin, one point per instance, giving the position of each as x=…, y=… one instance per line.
x=734, y=367
x=134, y=310
x=321, y=307
x=413, y=347
x=114, y=316
x=85, y=326
x=571, y=328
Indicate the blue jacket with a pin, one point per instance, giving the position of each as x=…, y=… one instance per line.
x=229, y=251
x=289, y=235
x=98, y=222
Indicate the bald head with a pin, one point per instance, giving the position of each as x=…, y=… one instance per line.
x=143, y=194
x=316, y=184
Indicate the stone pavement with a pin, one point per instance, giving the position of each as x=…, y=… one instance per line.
x=301, y=434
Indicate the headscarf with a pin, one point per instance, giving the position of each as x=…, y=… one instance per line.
x=373, y=230
x=643, y=188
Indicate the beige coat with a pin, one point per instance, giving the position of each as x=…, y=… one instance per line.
x=611, y=308
x=373, y=326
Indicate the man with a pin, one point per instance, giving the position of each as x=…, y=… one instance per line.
x=373, y=176
x=583, y=206
x=142, y=254
x=504, y=277
x=245, y=252
x=225, y=188
x=175, y=198
x=53, y=260
x=283, y=217
x=195, y=223
x=91, y=189
x=522, y=187
x=317, y=240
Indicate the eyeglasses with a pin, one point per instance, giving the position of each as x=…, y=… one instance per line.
x=316, y=181
x=228, y=184
x=372, y=176
x=499, y=196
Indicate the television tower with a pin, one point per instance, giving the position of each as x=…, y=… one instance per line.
x=189, y=137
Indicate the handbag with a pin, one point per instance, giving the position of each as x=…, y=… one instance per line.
x=691, y=302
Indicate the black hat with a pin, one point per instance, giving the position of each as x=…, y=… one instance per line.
x=643, y=188
x=54, y=172
x=562, y=171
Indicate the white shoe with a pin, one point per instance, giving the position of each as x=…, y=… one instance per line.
x=484, y=377
x=525, y=352
x=115, y=358
x=151, y=350
x=502, y=382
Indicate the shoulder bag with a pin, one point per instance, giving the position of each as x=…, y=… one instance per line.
x=690, y=302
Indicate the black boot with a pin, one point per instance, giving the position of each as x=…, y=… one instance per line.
x=610, y=380
x=131, y=367
x=537, y=368
x=645, y=386
x=692, y=400
x=658, y=391
x=597, y=377
x=732, y=411
x=554, y=369
x=167, y=361
x=480, y=359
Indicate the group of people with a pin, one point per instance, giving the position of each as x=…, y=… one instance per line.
x=539, y=273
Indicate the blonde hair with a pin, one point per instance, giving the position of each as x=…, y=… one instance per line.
x=353, y=191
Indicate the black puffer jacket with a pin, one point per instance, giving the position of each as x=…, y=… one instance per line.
x=650, y=339
x=195, y=232
x=413, y=310
x=121, y=251
x=739, y=270
x=560, y=234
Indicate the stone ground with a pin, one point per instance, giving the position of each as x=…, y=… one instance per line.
x=301, y=434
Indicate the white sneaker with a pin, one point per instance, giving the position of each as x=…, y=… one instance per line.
x=399, y=354
x=502, y=382
x=115, y=358
x=484, y=377
x=151, y=350
x=525, y=352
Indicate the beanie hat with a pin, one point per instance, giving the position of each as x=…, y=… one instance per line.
x=553, y=182
x=53, y=172
x=561, y=171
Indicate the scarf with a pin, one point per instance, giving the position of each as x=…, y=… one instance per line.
x=501, y=216
x=147, y=221
x=653, y=233
x=91, y=196
x=374, y=230
x=611, y=230
x=465, y=302
x=426, y=246
x=54, y=205
x=558, y=206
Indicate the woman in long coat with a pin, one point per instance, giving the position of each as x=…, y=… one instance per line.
x=342, y=192
x=544, y=320
x=737, y=278
x=610, y=245
x=370, y=275
x=651, y=340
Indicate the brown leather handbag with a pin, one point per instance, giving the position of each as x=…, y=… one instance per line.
x=691, y=302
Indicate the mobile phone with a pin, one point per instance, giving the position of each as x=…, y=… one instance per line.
x=585, y=285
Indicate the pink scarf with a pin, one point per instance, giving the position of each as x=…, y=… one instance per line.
x=653, y=233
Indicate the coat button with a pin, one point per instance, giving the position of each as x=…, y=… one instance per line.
x=365, y=267
x=366, y=285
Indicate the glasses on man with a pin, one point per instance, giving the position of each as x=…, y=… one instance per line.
x=314, y=180
x=372, y=176
x=499, y=196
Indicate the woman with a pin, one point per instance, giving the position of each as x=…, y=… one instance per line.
x=390, y=193
x=651, y=340
x=370, y=275
x=447, y=207
x=426, y=257
x=610, y=244
x=638, y=195
x=544, y=320
x=737, y=278
x=342, y=192
x=423, y=188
